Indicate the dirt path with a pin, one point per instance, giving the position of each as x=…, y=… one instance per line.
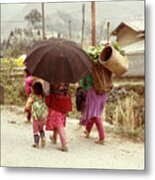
x=16, y=150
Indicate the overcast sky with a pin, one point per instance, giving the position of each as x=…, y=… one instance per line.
x=12, y=15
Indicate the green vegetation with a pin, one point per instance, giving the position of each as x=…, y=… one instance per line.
x=14, y=92
x=94, y=52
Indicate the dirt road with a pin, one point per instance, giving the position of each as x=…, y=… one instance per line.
x=17, y=138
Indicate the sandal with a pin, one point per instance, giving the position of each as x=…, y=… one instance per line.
x=43, y=142
x=87, y=134
x=54, y=141
x=101, y=141
x=35, y=146
x=63, y=148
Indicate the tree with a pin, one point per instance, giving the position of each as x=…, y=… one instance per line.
x=34, y=18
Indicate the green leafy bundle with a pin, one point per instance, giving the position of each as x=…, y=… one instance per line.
x=94, y=52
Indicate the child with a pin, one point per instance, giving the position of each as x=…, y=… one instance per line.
x=36, y=103
x=28, y=85
x=28, y=81
x=59, y=103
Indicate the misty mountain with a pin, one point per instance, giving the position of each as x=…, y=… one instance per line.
x=57, y=15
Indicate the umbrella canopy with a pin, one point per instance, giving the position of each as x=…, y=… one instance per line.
x=58, y=60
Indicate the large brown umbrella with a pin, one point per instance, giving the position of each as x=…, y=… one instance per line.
x=58, y=60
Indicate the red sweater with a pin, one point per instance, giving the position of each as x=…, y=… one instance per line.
x=59, y=102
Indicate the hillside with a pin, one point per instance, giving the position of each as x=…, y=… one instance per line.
x=12, y=15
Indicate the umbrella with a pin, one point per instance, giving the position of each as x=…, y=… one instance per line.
x=58, y=60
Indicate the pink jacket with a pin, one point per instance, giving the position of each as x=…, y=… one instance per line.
x=28, y=84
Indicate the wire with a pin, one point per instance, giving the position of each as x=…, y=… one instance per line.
x=13, y=22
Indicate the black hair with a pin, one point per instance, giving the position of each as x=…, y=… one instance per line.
x=27, y=71
x=54, y=89
x=37, y=88
x=80, y=99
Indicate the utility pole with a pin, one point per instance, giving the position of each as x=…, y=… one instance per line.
x=108, y=32
x=70, y=32
x=93, y=23
x=83, y=24
x=43, y=21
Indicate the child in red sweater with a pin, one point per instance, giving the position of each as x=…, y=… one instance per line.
x=59, y=103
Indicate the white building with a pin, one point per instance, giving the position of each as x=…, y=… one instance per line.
x=131, y=37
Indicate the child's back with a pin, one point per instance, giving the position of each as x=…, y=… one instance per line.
x=39, y=108
x=36, y=103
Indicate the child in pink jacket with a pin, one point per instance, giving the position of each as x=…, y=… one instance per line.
x=28, y=85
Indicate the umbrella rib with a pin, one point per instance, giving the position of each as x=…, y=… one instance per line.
x=70, y=66
x=43, y=57
x=36, y=50
x=75, y=49
x=81, y=58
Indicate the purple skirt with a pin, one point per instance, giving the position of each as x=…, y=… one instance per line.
x=94, y=106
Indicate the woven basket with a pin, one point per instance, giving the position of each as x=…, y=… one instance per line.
x=114, y=61
x=102, y=78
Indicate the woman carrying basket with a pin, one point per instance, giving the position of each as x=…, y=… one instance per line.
x=93, y=109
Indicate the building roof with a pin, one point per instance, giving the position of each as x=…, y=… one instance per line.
x=137, y=26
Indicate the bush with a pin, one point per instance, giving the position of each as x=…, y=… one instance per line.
x=14, y=92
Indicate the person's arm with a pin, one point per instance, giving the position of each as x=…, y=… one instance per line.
x=29, y=103
x=48, y=101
